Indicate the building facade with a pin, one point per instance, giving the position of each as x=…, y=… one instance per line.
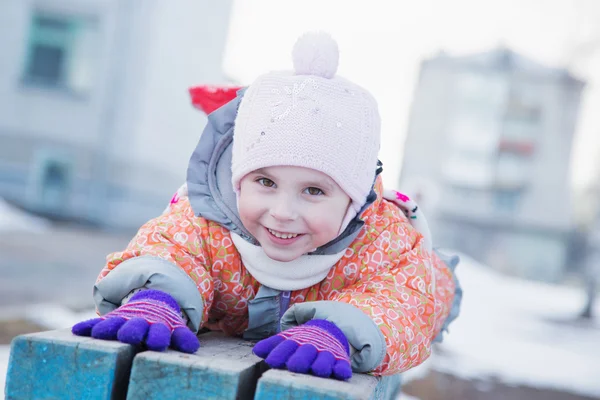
x=95, y=118
x=488, y=150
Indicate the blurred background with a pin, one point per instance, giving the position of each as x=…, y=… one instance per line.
x=490, y=122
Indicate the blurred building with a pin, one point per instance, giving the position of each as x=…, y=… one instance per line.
x=95, y=119
x=488, y=152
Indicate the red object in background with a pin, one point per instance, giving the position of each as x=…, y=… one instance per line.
x=209, y=97
x=523, y=147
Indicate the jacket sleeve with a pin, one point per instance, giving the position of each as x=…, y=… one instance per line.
x=447, y=303
x=168, y=253
x=402, y=295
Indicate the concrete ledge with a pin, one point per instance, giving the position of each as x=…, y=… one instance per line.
x=223, y=368
x=59, y=365
x=279, y=384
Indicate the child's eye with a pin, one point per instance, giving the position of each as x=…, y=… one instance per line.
x=266, y=182
x=313, y=191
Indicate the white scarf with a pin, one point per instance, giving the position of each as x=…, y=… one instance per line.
x=300, y=273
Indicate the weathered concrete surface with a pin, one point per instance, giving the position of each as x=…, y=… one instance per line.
x=59, y=365
x=277, y=384
x=223, y=368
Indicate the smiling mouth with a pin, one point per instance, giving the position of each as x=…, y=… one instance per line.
x=283, y=235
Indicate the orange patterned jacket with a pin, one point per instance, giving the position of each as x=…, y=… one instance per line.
x=388, y=294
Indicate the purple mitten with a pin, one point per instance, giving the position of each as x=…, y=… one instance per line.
x=317, y=347
x=151, y=317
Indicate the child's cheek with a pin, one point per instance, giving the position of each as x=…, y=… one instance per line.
x=250, y=207
x=326, y=225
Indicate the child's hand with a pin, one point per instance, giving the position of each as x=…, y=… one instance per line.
x=318, y=347
x=151, y=317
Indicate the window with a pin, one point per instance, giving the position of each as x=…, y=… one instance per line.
x=481, y=94
x=472, y=172
x=51, y=180
x=523, y=112
x=474, y=129
x=60, y=52
x=507, y=200
x=512, y=170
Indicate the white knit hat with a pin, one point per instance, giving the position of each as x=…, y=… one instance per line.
x=309, y=118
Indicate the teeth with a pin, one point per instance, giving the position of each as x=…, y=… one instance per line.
x=282, y=235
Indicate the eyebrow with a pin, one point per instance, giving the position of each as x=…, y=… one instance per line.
x=320, y=183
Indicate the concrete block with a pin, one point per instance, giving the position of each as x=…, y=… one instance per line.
x=223, y=368
x=279, y=384
x=60, y=365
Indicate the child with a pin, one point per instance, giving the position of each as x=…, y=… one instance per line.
x=282, y=233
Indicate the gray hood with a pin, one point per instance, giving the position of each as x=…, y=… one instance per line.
x=209, y=184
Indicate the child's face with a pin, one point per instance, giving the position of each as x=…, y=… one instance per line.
x=291, y=210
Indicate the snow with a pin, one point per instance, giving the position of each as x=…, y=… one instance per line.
x=13, y=219
x=53, y=316
x=4, y=352
x=405, y=396
x=521, y=333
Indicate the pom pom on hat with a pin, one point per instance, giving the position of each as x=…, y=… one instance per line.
x=316, y=53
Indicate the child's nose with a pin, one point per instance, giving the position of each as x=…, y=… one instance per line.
x=283, y=210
